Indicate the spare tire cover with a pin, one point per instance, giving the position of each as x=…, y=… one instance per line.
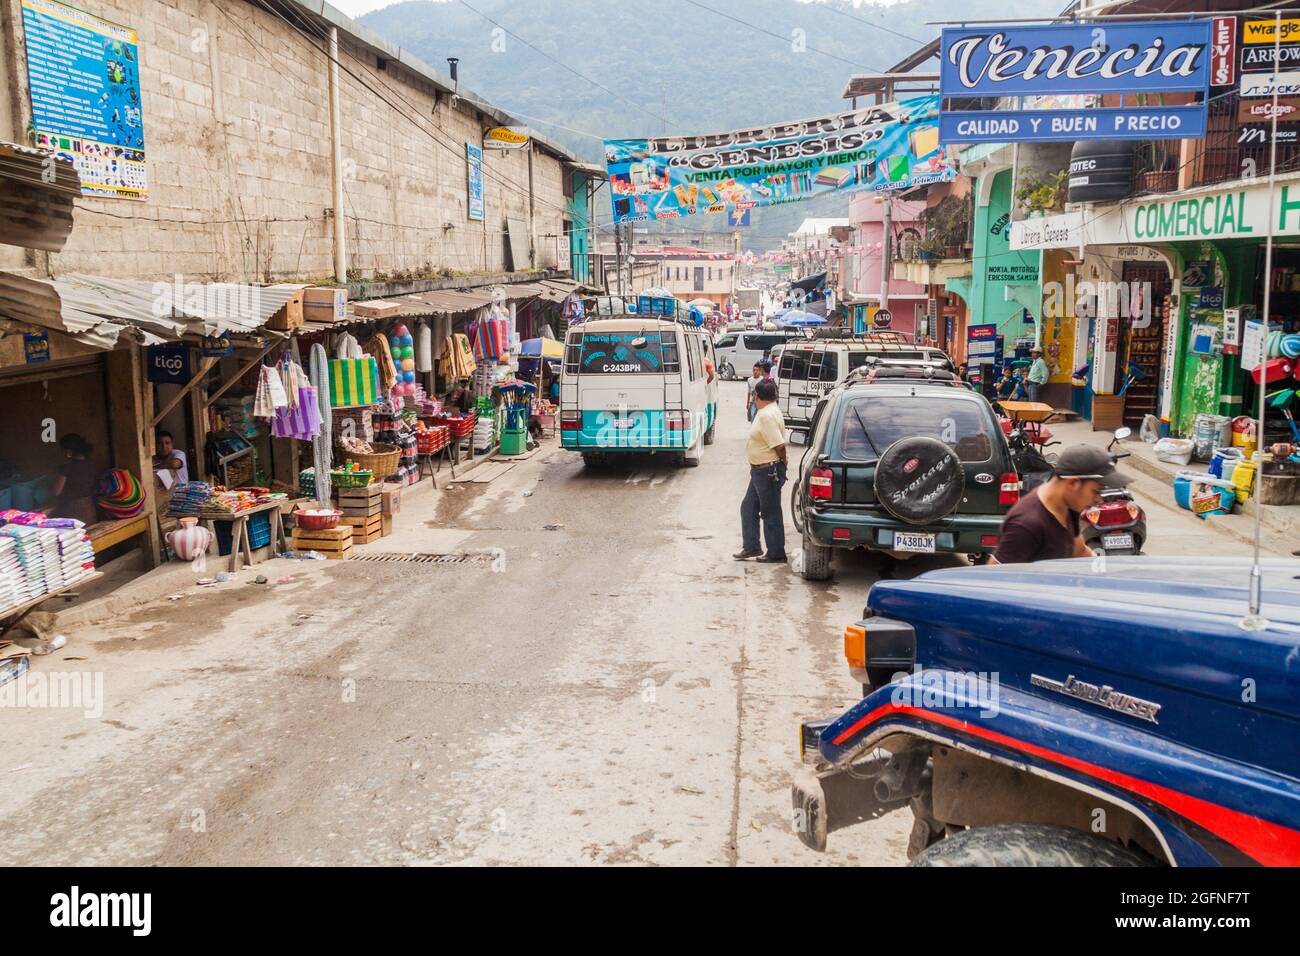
x=919, y=480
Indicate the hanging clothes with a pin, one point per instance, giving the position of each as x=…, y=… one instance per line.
x=347, y=347
x=457, y=360
x=424, y=347
x=379, y=348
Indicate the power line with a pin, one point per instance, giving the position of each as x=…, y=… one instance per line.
x=848, y=16
x=562, y=63
x=783, y=39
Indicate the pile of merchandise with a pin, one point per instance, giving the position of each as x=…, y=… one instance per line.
x=40, y=555
x=395, y=428
x=188, y=497
x=485, y=436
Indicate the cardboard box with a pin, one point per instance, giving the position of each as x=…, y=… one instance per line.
x=325, y=304
x=392, y=495
x=386, y=524
x=376, y=309
x=289, y=316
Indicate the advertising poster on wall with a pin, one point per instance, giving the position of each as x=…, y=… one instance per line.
x=887, y=147
x=84, y=77
x=474, y=159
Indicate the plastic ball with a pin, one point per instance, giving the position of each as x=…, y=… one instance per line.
x=408, y=352
x=408, y=376
x=400, y=329
x=408, y=365
x=407, y=340
x=408, y=388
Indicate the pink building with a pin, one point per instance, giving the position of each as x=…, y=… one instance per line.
x=907, y=300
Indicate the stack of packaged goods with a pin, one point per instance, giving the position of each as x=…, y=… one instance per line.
x=485, y=428
x=396, y=429
x=13, y=583
x=188, y=497
x=232, y=502
x=238, y=416
x=307, y=482
x=32, y=557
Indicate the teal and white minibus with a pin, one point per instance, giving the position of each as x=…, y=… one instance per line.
x=638, y=385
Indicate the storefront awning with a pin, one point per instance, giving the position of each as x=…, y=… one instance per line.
x=95, y=310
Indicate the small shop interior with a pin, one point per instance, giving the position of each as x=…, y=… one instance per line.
x=333, y=419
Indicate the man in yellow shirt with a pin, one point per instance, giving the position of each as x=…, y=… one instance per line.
x=767, y=471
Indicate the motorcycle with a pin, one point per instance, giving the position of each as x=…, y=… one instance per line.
x=1033, y=466
x=1117, y=525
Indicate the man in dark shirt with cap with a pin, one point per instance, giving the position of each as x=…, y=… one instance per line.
x=1044, y=524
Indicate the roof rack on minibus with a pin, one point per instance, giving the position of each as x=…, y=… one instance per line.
x=845, y=335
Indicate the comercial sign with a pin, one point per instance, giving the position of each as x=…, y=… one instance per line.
x=1240, y=213
x=474, y=160
x=889, y=147
x=1257, y=32
x=1286, y=83
x=506, y=137
x=1260, y=110
x=1070, y=59
x=36, y=347
x=981, y=344
x=1223, y=52
x=1261, y=59
x=168, y=364
x=83, y=74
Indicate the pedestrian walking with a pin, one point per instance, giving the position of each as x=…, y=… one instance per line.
x=760, y=371
x=1044, y=524
x=767, y=473
x=1038, y=373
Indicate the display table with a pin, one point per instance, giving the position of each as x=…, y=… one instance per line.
x=239, y=530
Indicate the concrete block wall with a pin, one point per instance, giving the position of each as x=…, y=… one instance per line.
x=236, y=118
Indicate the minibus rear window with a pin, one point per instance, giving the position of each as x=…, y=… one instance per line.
x=625, y=352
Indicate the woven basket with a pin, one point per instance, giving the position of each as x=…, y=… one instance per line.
x=351, y=479
x=384, y=461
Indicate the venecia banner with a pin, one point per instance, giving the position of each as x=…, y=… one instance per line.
x=1068, y=60
x=887, y=147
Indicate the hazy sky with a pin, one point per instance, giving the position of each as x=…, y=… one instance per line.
x=355, y=8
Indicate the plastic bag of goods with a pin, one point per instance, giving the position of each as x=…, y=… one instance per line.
x=1176, y=451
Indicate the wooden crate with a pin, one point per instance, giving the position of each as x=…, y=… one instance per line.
x=365, y=530
x=361, y=502
x=334, y=543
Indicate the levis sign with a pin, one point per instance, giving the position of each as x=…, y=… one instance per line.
x=1060, y=59
x=1223, y=53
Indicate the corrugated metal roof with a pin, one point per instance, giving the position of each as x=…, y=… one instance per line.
x=96, y=309
x=37, y=189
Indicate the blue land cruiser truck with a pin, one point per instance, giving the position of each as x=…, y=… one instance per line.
x=1086, y=713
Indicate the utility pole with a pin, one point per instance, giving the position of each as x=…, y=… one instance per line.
x=887, y=232
x=618, y=255
x=336, y=163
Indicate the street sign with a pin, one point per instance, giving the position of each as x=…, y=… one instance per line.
x=981, y=344
x=883, y=319
x=1067, y=60
x=1068, y=126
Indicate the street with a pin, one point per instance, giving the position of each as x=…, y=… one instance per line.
x=614, y=689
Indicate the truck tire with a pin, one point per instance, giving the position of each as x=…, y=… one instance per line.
x=816, y=560
x=1025, y=844
x=796, y=505
x=919, y=480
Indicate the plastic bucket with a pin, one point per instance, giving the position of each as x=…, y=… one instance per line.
x=514, y=441
x=1243, y=478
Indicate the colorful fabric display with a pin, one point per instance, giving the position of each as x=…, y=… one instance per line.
x=457, y=359
x=353, y=382
x=120, y=494
x=302, y=420
x=490, y=337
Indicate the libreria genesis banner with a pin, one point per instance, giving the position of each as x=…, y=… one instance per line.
x=1068, y=60
x=892, y=146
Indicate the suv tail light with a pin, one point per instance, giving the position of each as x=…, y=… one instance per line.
x=675, y=421
x=569, y=420
x=1008, y=488
x=821, y=483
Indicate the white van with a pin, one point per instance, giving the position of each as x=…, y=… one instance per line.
x=810, y=369
x=634, y=385
x=738, y=351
